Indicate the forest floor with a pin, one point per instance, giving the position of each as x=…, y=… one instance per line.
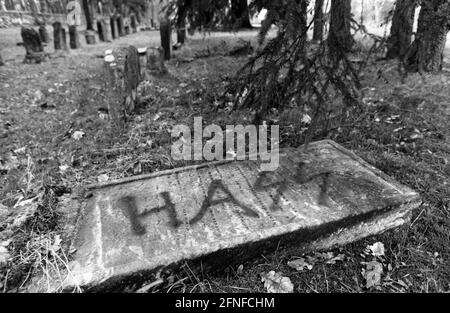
x=54, y=139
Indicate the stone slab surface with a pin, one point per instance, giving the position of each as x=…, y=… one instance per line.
x=320, y=197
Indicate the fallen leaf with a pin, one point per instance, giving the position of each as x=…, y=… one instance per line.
x=372, y=274
x=78, y=135
x=276, y=283
x=306, y=119
x=4, y=255
x=377, y=249
x=103, y=178
x=300, y=265
x=56, y=246
x=137, y=168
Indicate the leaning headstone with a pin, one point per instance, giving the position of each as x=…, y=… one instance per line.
x=155, y=62
x=123, y=75
x=43, y=33
x=166, y=35
x=318, y=198
x=33, y=45
x=74, y=37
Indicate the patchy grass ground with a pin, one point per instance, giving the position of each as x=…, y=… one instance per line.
x=404, y=132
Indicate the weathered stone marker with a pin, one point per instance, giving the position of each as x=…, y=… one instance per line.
x=155, y=62
x=133, y=23
x=90, y=37
x=113, y=26
x=226, y=212
x=120, y=29
x=74, y=37
x=33, y=45
x=101, y=30
x=123, y=74
x=107, y=36
x=43, y=33
x=59, y=36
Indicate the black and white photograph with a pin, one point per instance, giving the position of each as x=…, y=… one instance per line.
x=224, y=152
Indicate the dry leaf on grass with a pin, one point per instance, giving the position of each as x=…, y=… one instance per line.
x=4, y=254
x=103, y=178
x=78, y=135
x=300, y=265
x=372, y=273
x=276, y=283
x=377, y=249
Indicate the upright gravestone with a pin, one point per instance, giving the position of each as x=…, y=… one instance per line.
x=100, y=30
x=166, y=35
x=120, y=26
x=74, y=37
x=133, y=23
x=33, y=45
x=107, y=36
x=122, y=73
x=64, y=39
x=132, y=76
x=90, y=37
x=126, y=26
x=43, y=33
x=155, y=62
x=57, y=35
x=113, y=27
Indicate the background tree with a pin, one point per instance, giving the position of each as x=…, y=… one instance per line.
x=401, y=29
x=318, y=20
x=427, y=51
x=240, y=15
x=340, y=37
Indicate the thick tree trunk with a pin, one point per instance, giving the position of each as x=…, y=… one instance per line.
x=401, y=29
x=181, y=22
x=339, y=37
x=88, y=15
x=426, y=52
x=240, y=13
x=318, y=20
x=166, y=35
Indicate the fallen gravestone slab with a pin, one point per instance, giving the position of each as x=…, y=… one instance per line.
x=226, y=212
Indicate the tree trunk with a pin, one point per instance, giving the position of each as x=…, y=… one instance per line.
x=339, y=37
x=240, y=13
x=88, y=15
x=318, y=21
x=181, y=21
x=166, y=35
x=401, y=29
x=426, y=54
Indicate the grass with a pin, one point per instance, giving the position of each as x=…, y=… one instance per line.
x=404, y=132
